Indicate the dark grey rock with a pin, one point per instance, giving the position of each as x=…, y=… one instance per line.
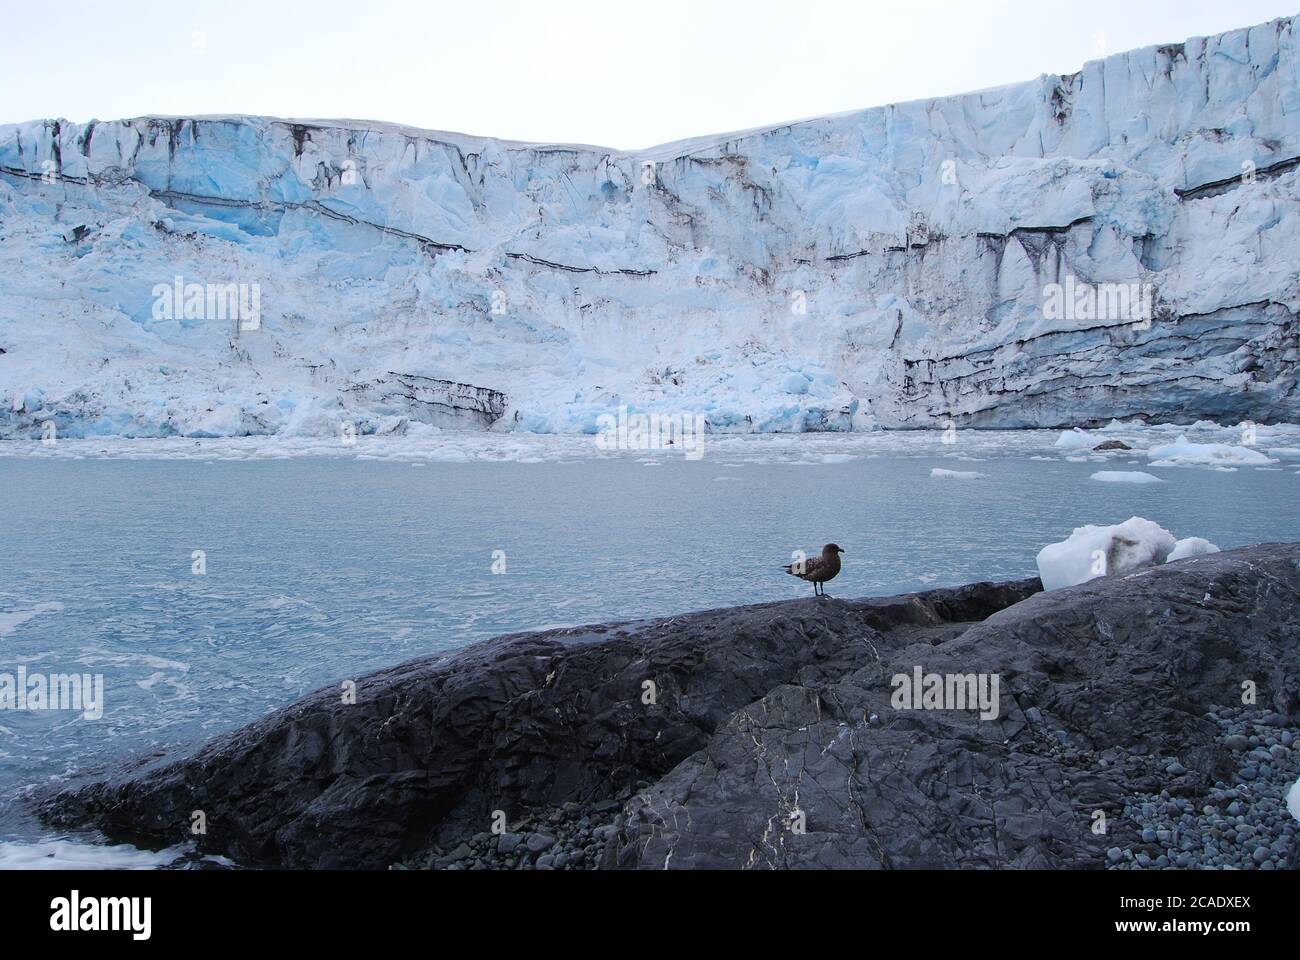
x=537, y=842
x=462, y=852
x=1167, y=645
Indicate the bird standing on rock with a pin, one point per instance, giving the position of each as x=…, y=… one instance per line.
x=818, y=569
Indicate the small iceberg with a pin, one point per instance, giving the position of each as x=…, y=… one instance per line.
x=1191, y=547
x=1125, y=476
x=1184, y=451
x=1076, y=439
x=1094, y=551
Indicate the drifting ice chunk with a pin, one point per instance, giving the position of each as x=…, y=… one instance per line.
x=1213, y=454
x=1191, y=547
x=941, y=474
x=1092, y=552
x=1076, y=439
x=1125, y=476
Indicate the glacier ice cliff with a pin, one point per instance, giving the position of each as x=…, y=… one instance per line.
x=882, y=268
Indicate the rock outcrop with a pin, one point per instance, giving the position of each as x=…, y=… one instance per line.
x=768, y=735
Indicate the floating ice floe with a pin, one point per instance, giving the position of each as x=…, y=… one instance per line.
x=1184, y=451
x=1191, y=547
x=1125, y=476
x=1093, y=551
x=1076, y=439
x=941, y=474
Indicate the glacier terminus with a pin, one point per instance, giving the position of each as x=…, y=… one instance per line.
x=1120, y=242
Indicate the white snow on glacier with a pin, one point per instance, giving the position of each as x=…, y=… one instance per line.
x=886, y=267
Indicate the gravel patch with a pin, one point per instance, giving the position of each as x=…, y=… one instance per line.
x=1242, y=825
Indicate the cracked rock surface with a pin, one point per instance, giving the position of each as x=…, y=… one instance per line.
x=765, y=737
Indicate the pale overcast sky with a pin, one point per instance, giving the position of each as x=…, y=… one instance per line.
x=618, y=73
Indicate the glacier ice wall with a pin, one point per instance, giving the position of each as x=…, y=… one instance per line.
x=880, y=268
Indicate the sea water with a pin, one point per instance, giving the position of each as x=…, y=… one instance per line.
x=209, y=584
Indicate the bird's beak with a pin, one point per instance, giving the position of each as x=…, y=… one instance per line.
x=841, y=550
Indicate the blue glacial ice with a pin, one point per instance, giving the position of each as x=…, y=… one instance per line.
x=881, y=268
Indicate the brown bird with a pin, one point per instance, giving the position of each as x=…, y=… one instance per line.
x=817, y=570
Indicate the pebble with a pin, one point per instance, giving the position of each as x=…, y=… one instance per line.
x=537, y=842
x=1241, y=824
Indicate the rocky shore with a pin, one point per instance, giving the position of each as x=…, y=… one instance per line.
x=1140, y=721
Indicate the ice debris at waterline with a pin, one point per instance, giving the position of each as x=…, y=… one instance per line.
x=887, y=266
x=428, y=444
x=73, y=855
x=1094, y=551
